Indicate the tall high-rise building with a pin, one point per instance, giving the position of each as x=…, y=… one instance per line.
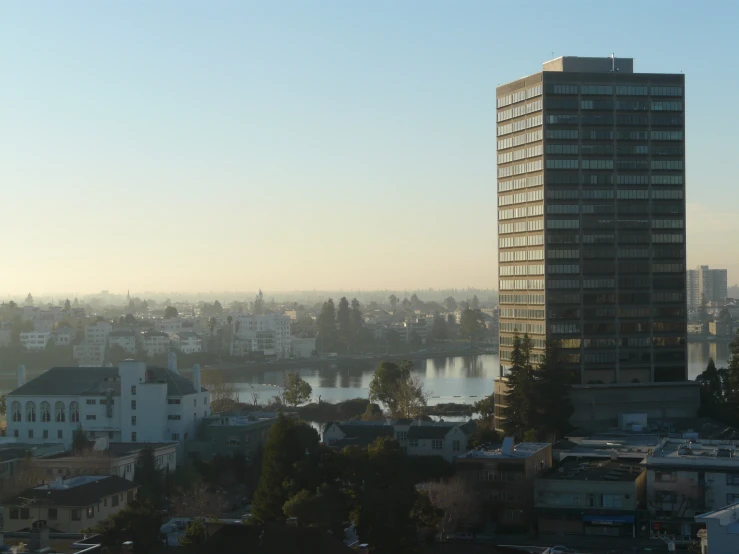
x=707, y=286
x=591, y=218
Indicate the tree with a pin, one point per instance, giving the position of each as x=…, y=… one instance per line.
x=29, y=300
x=344, y=320
x=326, y=325
x=406, y=304
x=416, y=303
x=472, y=325
x=456, y=501
x=398, y=389
x=130, y=319
x=198, y=501
x=67, y=305
x=438, y=328
x=3, y=404
x=327, y=508
x=393, y=301
x=356, y=316
x=288, y=444
x=258, y=308
x=450, y=304
x=170, y=312
x=552, y=387
x=80, y=444
x=149, y=478
x=296, y=390
x=217, y=308
x=712, y=390
x=139, y=522
x=196, y=533
x=475, y=304
x=223, y=395
x=703, y=313
x=519, y=381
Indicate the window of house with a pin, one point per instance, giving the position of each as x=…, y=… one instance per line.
x=512, y=515
x=185, y=436
x=413, y=443
x=455, y=445
x=129, y=496
x=91, y=401
x=172, y=417
x=90, y=512
x=25, y=513
x=114, y=501
x=60, y=434
x=133, y=436
x=46, y=434
x=436, y=444
x=105, y=502
x=52, y=513
x=133, y=404
x=175, y=436
x=173, y=401
x=612, y=500
x=133, y=389
x=732, y=479
x=91, y=417
x=30, y=433
x=133, y=420
x=13, y=513
x=232, y=441
x=731, y=498
x=401, y=435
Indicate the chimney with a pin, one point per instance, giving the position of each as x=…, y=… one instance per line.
x=172, y=362
x=388, y=421
x=507, y=446
x=21, y=375
x=196, y=377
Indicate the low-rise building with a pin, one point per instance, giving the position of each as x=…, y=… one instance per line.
x=686, y=478
x=228, y=434
x=721, y=534
x=504, y=480
x=5, y=338
x=168, y=325
x=592, y=496
x=155, y=342
x=14, y=455
x=68, y=505
x=89, y=355
x=187, y=342
x=97, y=333
x=125, y=338
x=63, y=336
x=106, y=458
x=358, y=433
x=129, y=403
x=35, y=340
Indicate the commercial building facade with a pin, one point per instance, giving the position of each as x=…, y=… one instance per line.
x=707, y=286
x=591, y=218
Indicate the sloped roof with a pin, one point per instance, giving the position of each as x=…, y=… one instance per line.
x=430, y=430
x=95, y=381
x=78, y=496
x=361, y=434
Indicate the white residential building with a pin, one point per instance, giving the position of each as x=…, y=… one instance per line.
x=35, y=340
x=171, y=325
x=89, y=355
x=186, y=342
x=125, y=338
x=721, y=534
x=97, y=333
x=155, y=342
x=268, y=333
x=128, y=403
x=62, y=336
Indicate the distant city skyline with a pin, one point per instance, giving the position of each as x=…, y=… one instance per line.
x=178, y=146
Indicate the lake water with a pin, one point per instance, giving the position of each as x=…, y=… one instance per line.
x=460, y=379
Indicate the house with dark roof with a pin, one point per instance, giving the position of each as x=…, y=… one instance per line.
x=68, y=506
x=417, y=437
x=129, y=403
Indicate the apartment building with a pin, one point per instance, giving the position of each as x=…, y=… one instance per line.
x=707, y=286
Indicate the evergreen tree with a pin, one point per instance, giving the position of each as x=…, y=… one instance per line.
x=519, y=380
x=712, y=394
x=149, y=477
x=475, y=304
x=287, y=446
x=356, y=316
x=326, y=326
x=344, y=320
x=67, y=305
x=553, y=404
x=438, y=329
x=393, y=301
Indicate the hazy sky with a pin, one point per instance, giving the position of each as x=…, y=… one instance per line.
x=189, y=146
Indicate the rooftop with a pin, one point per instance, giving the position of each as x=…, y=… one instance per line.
x=596, y=469
x=96, y=381
x=711, y=453
x=79, y=491
x=727, y=516
x=571, y=64
x=242, y=420
x=520, y=451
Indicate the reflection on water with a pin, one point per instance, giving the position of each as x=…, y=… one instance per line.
x=449, y=379
x=700, y=351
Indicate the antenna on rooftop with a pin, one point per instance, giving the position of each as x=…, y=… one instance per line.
x=613, y=62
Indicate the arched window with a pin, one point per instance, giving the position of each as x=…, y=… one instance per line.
x=16, y=411
x=45, y=412
x=74, y=412
x=30, y=411
x=60, y=412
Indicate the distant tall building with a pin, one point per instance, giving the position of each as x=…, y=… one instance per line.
x=591, y=218
x=707, y=286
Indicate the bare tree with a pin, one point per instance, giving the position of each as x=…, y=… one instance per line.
x=198, y=502
x=254, y=394
x=676, y=497
x=223, y=395
x=459, y=504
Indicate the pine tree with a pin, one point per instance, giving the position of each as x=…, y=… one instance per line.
x=553, y=405
x=517, y=413
x=344, y=320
